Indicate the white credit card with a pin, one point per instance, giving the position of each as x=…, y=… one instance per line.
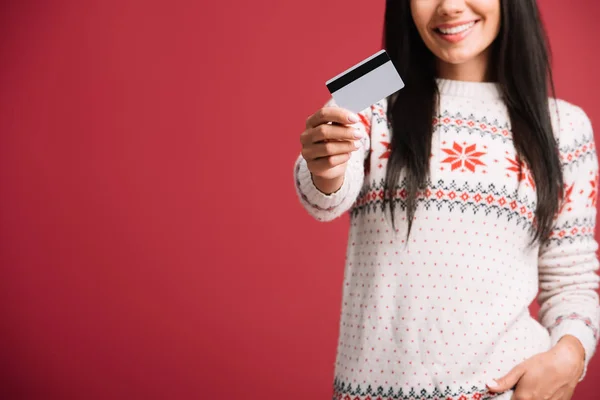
x=366, y=83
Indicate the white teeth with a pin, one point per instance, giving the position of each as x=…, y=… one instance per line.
x=456, y=29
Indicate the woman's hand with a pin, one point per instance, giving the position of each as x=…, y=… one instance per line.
x=327, y=147
x=551, y=375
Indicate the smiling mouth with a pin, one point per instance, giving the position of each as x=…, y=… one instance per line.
x=455, y=30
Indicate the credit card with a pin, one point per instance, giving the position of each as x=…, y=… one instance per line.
x=365, y=83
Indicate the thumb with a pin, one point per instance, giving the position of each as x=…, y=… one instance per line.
x=508, y=381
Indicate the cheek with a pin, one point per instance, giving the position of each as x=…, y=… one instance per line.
x=492, y=27
x=419, y=23
x=486, y=7
x=497, y=25
x=424, y=32
x=492, y=15
x=421, y=15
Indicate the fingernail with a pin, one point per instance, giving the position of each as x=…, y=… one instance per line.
x=357, y=143
x=358, y=133
x=492, y=383
x=353, y=118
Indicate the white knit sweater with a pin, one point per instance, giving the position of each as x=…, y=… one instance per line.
x=441, y=315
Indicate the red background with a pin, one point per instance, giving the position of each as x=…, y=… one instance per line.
x=151, y=244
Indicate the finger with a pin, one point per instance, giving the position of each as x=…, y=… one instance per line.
x=326, y=149
x=507, y=381
x=331, y=114
x=327, y=132
x=323, y=164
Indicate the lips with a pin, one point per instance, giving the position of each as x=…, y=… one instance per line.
x=456, y=32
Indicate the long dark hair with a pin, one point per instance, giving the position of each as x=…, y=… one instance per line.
x=520, y=58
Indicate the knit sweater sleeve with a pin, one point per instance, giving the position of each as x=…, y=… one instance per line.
x=326, y=207
x=568, y=297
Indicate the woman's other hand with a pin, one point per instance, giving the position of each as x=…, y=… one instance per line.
x=551, y=375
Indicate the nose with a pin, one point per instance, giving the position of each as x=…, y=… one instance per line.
x=451, y=8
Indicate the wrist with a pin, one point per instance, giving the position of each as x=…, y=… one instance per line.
x=573, y=345
x=327, y=186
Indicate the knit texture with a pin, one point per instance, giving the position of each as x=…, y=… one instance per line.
x=440, y=315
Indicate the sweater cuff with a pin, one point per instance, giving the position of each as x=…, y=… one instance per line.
x=312, y=195
x=579, y=329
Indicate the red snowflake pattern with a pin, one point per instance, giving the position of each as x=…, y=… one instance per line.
x=463, y=157
x=522, y=170
x=366, y=123
x=567, y=198
x=386, y=153
x=594, y=192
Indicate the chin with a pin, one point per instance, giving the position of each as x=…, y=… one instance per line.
x=457, y=61
x=457, y=58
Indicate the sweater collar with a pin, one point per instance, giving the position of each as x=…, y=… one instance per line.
x=474, y=90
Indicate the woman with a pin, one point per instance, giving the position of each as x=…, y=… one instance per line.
x=484, y=193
